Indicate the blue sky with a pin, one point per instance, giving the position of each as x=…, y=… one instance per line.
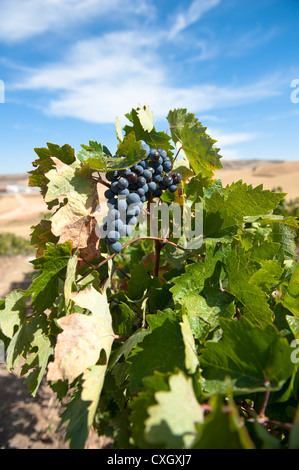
x=70, y=67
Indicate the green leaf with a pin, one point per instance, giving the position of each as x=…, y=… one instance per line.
x=45, y=163
x=189, y=134
x=70, y=279
x=172, y=421
x=44, y=288
x=243, y=283
x=140, y=118
x=223, y=428
x=32, y=343
x=191, y=358
x=291, y=298
x=13, y=315
x=83, y=338
x=127, y=347
x=247, y=359
x=129, y=152
x=80, y=411
x=164, y=346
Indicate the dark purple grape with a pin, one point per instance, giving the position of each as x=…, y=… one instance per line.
x=108, y=194
x=141, y=181
x=177, y=177
x=172, y=188
x=140, y=192
x=157, y=178
x=115, y=187
x=137, y=169
x=147, y=174
x=158, y=192
x=154, y=155
x=167, y=166
x=167, y=180
x=125, y=172
x=162, y=152
x=111, y=175
x=132, y=178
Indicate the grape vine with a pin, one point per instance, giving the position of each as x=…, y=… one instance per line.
x=142, y=337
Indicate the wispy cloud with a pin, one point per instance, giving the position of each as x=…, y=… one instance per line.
x=22, y=19
x=191, y=15
x=104, y=77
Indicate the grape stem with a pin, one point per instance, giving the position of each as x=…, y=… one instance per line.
x=163, y=240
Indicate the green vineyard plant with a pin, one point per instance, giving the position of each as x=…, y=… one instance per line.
x=161, y=346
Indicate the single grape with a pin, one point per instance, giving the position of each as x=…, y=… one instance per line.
x=137, y=169
x=133, y=197
x=113, y=236
x=115, y=187
x=158, y=192
x=167, y=166
x=162, y=152
x=108, y=194
x=125, y=231
x=132, y=220
x=111, y=175
x=113, y=214
x=123, y=183
x=154, y=155
x=132, y=178
x=116, y=225
x=124, y=192
x=143, y=198
x=152, y=186
x=122, y=205
x=157, y=161
x=177, y=177
x=112, y=201
x=158, y=170
x=147, y=174
x=167, y=180
x=140, y=192
x=125, y=172
x=172, y=188
x=141, y=181
x=116, y=247
x=157, y=178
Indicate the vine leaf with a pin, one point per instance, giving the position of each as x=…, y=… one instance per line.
x=80, y=411
x=13, y=315
x=141, y=119
x=44, y=288
x=189, y=135
x=83, y=338
x=247, y=359
x=129, y=152
x=191, y=358
x=45, y=163
x=223, y=428
x=291, y=298
x=73, y=221
x=172, y=421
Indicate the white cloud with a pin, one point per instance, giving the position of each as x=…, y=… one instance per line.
x=107, y=76
x=22, y=19
x=195, y=11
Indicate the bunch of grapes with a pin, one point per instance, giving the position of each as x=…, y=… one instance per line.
x=130, y=188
